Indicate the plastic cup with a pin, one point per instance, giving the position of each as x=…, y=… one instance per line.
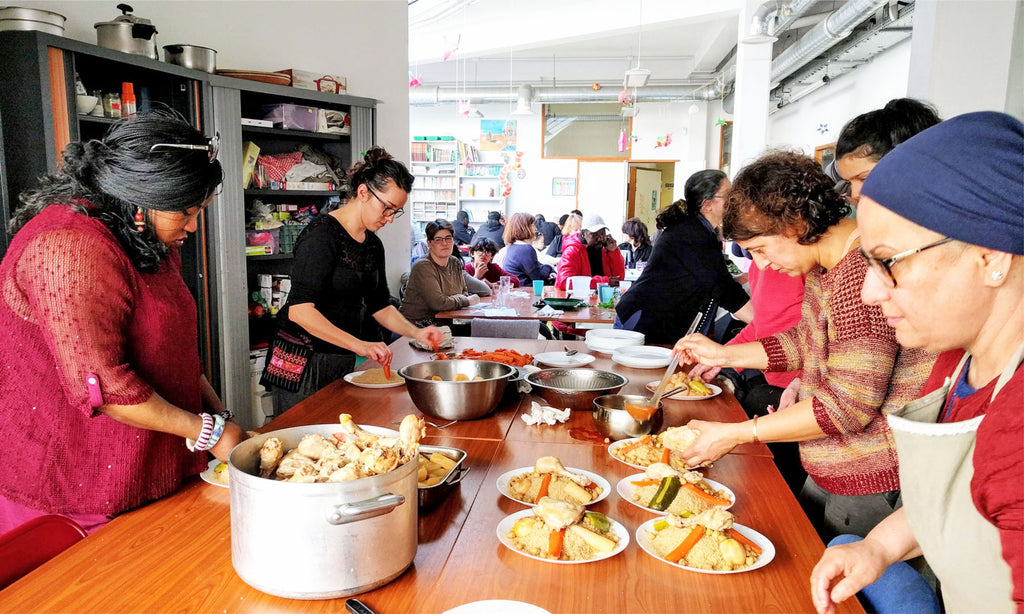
x=605, y=293
x=538, y=287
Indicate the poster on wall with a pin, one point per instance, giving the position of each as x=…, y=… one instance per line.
x=563, y=186
x=497, y=135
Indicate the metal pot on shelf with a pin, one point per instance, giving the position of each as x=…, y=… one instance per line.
x=18, y=18
x=128, y=33
x=319, y=540
x=192, y=56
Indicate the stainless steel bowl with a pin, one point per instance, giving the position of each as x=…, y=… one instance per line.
x=614, y=422
x=574, y=388
x=192, y=56
x=452, y=400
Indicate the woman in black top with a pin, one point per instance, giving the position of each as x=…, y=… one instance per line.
x=687, y=267
x=638, y=246
x=338, y=278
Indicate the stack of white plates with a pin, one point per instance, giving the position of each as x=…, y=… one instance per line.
x=607, y=340
x=642, y=356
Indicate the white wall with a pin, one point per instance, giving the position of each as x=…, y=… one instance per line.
x=366, y=41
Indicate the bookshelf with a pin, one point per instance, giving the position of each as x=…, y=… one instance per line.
x=452, y=175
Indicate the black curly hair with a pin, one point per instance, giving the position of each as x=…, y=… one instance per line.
x=779, y=194
x=111, y=178
x=876, y=133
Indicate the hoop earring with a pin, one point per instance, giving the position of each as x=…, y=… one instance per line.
x=140, y=220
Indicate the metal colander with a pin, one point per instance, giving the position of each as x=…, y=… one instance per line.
x=574, y=388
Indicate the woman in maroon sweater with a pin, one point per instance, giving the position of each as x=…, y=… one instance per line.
x=102, y=389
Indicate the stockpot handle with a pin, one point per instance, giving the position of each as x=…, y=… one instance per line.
x=361, y=510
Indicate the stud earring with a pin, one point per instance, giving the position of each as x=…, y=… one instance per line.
x=140, y=220
x=997, y=275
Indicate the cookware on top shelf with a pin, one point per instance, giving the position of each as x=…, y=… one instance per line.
x=128, y=33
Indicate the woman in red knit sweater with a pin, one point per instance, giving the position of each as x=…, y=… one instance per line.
x=784, y=211
x=943, y=233
x=103, y=388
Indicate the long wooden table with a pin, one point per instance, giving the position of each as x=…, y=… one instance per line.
x=174, y=555
x=592, y=313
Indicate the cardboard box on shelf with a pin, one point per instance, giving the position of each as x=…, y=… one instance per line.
x=321, y=82
x=333, y=122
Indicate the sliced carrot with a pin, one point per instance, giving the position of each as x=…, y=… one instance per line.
x=387, y=370
x=544, y=485
x=706, y=497
x=642, y=483
x=733, y=533
x=646, y=439
x=666, y=456
x=687, y=544
x=555, y=541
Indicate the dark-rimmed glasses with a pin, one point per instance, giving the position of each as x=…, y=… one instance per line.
x=883, y=266
x=390, y=211
x=212, y=146
x=443, y=240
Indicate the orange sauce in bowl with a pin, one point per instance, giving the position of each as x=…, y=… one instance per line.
x=640, y=413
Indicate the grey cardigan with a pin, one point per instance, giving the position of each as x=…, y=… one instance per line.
x=434, y=288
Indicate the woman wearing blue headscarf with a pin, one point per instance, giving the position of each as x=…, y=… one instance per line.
x=942, y=223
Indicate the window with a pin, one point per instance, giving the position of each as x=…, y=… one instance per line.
x=584, y=130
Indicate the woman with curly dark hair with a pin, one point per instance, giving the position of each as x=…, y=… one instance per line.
x=102, y=391
x=338, y=281
x=784, y=211
x=686, y=271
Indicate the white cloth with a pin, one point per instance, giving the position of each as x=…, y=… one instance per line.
x=547, y=311
x=543, y=414
x=497, y=312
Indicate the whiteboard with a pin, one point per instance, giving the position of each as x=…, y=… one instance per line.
x=602, y=190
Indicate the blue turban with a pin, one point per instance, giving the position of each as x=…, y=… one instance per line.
x=963, y=178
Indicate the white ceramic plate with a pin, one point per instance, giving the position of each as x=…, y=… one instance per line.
x=504, y=479
x=642, y=356
x=625, y=490
x=208, y=474
x=715, y=391
x=607, y=340
x=349, y=377
x=506, y=525
x=559, y=359
x=497, y=606
x=767, y=548
x=615, y=445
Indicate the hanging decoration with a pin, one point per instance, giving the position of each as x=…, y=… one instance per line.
x=464, y=108
x=514, y=165
x=414, y=81
x=625, y=96
x=450, y=49
x=622, y=141
x=721, y=122
x=664, y=141
x=595, y=86
x=822, y=128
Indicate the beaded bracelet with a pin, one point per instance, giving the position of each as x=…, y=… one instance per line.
x=218, y=430
x=203, y=441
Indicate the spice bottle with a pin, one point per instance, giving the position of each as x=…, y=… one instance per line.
x=112, y=105
x=127, y=100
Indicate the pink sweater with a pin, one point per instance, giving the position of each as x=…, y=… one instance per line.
x=856, y=372
x=776, y=299
x=74, y=305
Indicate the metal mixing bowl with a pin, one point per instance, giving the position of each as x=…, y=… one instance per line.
x=574, y=388
x=614, y=422
x=451, y=400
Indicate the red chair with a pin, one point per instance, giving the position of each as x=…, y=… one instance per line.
x=28, y=546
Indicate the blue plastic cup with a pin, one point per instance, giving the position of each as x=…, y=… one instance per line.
x=605, y=293
x=538, y=287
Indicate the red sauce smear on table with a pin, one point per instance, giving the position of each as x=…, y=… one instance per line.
x=582, y=434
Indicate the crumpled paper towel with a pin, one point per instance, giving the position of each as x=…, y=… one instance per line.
x=548, y=311
x=545, y=414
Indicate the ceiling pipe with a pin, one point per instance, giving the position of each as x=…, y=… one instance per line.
x=429, y=96
x=822, y=37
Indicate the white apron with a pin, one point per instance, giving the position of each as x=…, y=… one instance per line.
x=936, y=467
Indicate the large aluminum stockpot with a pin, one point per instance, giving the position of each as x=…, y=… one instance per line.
x=18, y=18
x=128, y=33
x=321, y=540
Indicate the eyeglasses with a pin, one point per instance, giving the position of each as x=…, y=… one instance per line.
x=212, y=146
x=843, y=188
x=883, y=266
x=390, y=211
x=443, y=240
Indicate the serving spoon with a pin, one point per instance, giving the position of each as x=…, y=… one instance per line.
x=644, y=412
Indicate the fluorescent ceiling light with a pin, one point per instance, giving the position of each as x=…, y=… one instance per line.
x=636, y=77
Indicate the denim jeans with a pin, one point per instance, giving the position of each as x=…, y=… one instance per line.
x=900, y=590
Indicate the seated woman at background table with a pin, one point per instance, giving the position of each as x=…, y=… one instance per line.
x=687, y=267
x=955, y=191
x=591, y=253
x=521, y=260
x=338, y=276
x=637, y=247
x=436, y=283
x=102, y=385
x=784, y=210
x=482, y=268
x=572, y=224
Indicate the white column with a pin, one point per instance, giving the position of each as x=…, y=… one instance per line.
x=750, y=119
x=962, y=55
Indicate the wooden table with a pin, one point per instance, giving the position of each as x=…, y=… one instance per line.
x=174, y=555
x=523, y=305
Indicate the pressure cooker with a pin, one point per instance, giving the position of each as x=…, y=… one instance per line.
x=128, y=33
x=319, y=540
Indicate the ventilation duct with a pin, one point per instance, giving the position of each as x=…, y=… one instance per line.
x=430, y=96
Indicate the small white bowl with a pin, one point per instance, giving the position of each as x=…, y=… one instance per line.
x=85, y=103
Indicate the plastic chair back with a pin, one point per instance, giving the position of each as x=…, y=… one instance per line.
x=509, y=329
x=28, y=546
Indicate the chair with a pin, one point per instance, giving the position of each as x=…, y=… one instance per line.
x=29, y=545
x=507, y=329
